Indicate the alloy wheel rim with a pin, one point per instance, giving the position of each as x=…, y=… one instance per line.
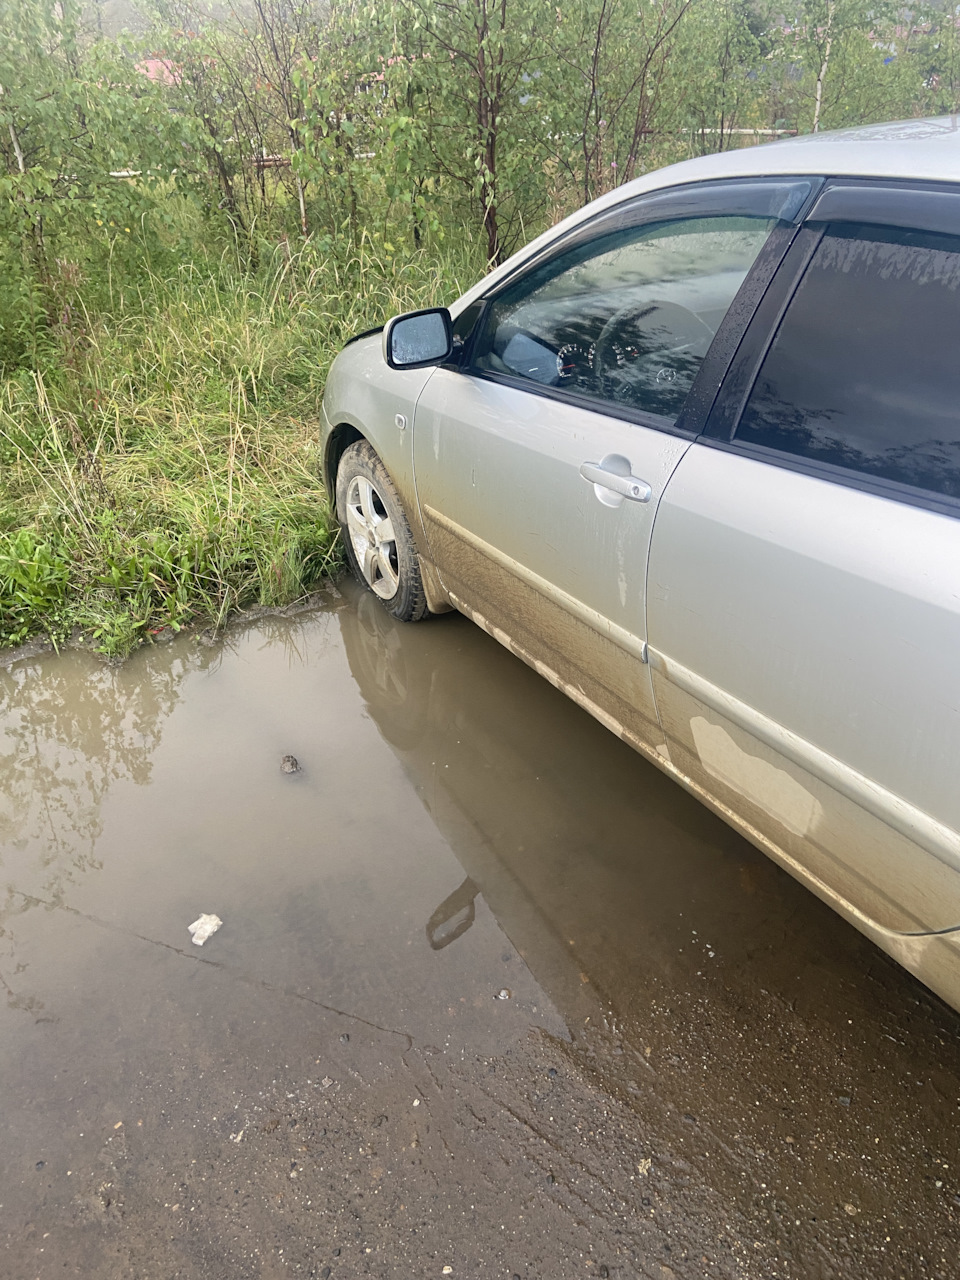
x=372, y=537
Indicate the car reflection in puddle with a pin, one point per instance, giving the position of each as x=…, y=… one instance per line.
x=602, y=872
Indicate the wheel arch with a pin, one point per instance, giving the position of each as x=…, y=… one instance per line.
x=343, y=435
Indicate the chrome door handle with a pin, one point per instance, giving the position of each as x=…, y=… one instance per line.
x=613, y=473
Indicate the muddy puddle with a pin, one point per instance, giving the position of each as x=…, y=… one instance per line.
x=490, y=994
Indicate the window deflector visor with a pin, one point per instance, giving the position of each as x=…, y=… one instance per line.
x=921, y=209
x=783, y=198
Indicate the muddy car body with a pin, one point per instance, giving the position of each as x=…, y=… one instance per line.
x=694, y=455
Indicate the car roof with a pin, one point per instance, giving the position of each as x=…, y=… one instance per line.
x=923, y=150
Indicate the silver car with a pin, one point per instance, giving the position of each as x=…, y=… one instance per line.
x=694, y=455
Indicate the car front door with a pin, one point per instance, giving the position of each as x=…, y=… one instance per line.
x=804, y=585
x=540, y=462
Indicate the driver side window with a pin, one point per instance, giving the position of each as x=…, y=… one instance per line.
x=626, y=318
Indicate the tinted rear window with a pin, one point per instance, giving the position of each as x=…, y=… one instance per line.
x=864, y=371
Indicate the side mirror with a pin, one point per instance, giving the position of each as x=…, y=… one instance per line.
x=418, y=339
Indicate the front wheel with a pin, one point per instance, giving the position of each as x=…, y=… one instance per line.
x=380, y=549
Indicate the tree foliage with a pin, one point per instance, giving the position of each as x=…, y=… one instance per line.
x=399, y=122
x=88, y=151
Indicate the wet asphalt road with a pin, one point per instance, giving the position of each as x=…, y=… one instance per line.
x=492, y=997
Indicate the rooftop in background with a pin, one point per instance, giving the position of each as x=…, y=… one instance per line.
x=162, y=70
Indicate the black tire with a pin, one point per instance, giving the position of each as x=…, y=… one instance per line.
x=367, y=505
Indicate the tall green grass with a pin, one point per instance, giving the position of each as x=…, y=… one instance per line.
x=161, y=465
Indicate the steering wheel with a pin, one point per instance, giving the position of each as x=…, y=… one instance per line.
x=648, y=354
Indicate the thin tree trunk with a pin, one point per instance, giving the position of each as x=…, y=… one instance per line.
x=36, y=223
x=303, y=207
x=16, y=147
x=831, y=8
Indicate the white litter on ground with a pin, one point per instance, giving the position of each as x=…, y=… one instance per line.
x=204, y=928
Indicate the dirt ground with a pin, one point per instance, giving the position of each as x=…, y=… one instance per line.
x=492, y=997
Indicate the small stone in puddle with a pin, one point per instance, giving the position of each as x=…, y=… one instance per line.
x=503, y=994
x=290, y=764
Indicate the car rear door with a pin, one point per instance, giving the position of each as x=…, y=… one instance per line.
x=541, y=458
x=804, y=584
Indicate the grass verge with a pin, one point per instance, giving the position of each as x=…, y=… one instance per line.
x=162, y=466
